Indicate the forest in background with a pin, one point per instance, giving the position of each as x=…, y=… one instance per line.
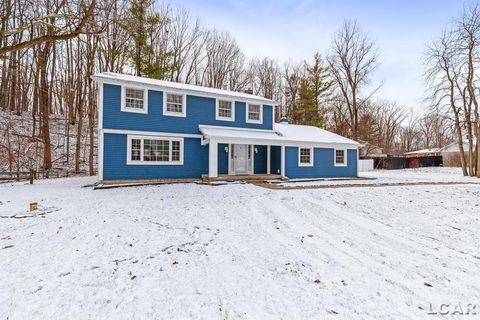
x=50, y=48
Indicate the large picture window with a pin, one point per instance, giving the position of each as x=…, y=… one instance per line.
x=254, y=113
x=134, y=100
x=155, y=150
x=174, y=105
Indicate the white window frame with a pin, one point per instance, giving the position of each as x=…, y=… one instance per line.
x=309, y=164
x=142, y=162
x=345, y=163
x=217, y=110
x=184, y=104
x=261, y=113
x=124, y=107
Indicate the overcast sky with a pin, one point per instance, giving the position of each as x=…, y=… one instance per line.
x=289, y=29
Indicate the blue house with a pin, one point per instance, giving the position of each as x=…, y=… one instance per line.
x=153, y=129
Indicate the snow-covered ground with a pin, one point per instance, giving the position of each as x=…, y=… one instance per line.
x=376, y=177
x=237, y=251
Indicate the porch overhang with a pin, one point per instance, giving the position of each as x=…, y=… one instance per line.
x=281, y=135
x=232, y=135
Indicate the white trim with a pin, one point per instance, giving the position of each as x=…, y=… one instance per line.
x=206, y=126
x=153, y=133
x=142, y=162
x=124, y=108
x=247, y=107
x=217, y=104
x=194, y=92
x=230, y=162
x=282, y=161
x=358, y=160
x=309, y=164
x=213, y=159
x=269, y=159
x=184, y=104
x=345, y=152
x=279, y=142
x=100, y=132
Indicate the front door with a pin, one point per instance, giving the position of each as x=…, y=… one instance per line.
x=240, y=159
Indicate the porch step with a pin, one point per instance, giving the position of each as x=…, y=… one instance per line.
x=232, y=178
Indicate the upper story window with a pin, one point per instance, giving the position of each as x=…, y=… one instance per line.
x=155, y=150
x=134, y=100
x=254, y=113
x=174, y=104
x=340, y=157
x=305, y=157
x=225, y=110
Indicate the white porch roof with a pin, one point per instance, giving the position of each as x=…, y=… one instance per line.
x=282, y=134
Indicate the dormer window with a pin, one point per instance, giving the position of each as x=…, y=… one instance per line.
x=254, y=113
x=174, y=104
x=225, y=110
x=134, y=100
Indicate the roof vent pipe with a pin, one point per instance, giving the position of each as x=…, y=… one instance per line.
x=284, y=120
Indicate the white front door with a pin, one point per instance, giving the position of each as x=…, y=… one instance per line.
x=240, y=159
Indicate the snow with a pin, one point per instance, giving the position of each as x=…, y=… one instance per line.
x=424, y=151
x=188, y=251
x=282, y=133
x=118, y=77
x=312, y=134
x=379, y=177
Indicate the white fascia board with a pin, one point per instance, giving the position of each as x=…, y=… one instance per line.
x=153, y=133
x=281, y=143
x=197, y=93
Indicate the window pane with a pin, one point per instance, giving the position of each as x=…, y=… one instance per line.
x=155, y=150
x=174, y=103
x=175, y=150
x=133, y=98
x=340, y=156
x=253, y=112
x=136, y=145
x=305, y=155
x=224, y=109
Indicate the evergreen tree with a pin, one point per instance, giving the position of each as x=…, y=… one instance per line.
x=149, y=57
x=314, y=90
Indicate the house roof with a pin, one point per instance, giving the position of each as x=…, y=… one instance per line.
x=423, y=152
x=176, y=86
x=282, y=134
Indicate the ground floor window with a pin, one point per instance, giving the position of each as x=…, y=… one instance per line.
x=154, y=150
x=305, y=156
x=340, y=157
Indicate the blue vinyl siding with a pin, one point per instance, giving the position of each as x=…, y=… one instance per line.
x=275, y=159
x=200, y=110
x=260, y=160
x=323, y=164
x=195, y=162
x=222, y=159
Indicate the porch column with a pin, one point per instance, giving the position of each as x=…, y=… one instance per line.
x=268, y=158
x=282, y=162
x=212, y=159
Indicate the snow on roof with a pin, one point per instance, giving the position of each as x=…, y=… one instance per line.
x=121, y=78
x=312, y=134
x=282, y=133
x=424, y=151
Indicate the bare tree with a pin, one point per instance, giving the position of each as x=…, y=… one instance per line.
x=352, y=62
